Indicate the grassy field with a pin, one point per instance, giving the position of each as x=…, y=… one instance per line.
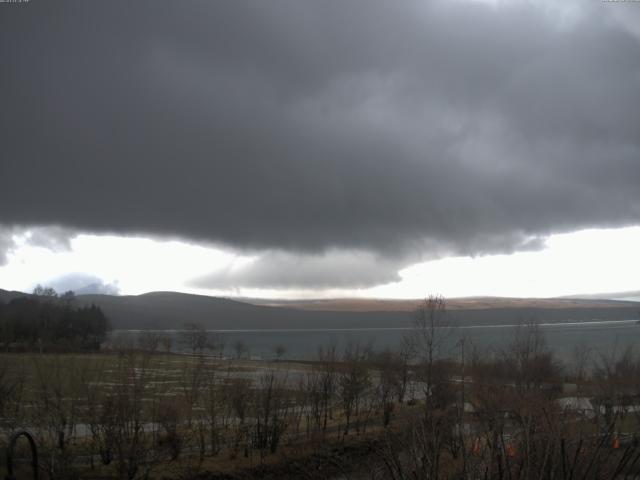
x=163, y=405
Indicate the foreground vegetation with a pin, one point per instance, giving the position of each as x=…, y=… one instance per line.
x=142, y=411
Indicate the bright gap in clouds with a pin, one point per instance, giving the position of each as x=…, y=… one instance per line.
x=134, y=265
x=589, y=261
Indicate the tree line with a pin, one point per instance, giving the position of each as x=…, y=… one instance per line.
x=46, y=321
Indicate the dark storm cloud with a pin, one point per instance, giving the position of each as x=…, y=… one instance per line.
x=400, y=129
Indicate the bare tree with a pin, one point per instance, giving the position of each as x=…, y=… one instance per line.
x=617, y=378
x=393, y=371
x=327, y=361
x=240, y=349
x=581, y=360
x=127, y=410
x=191, y=380
x=353, y=382
x=169, y=418
x=271, y=412
x=239, y=395
x=528, y=358
x=279, y=351
x=213, y=400
x=432, y=333
x=195, y=338
x=12, y=391
x=167, y=342
x=58, y=407
x=149, y=341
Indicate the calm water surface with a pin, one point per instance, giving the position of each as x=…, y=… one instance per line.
x=603, y=337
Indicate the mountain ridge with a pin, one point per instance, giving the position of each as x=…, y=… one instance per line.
x=175, y=310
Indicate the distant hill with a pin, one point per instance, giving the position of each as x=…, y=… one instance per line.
x=6, y=295
x=633, y=296
x=465, y=303
x=171, y=310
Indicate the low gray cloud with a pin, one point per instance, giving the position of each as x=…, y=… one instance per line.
x=280, y=270
x=345, y=268
x=81, y=284
x=402, y=129
x=6, y=244
x=54, y=238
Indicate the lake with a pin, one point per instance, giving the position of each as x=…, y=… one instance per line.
x=562, y=338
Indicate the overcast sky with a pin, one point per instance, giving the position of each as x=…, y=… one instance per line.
x=315, y=148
